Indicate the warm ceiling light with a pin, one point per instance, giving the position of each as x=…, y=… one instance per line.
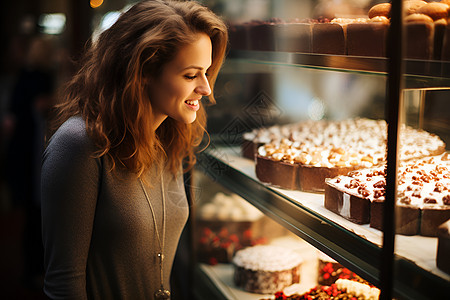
x=96, y=3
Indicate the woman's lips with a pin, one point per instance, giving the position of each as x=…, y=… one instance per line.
x=192, y=104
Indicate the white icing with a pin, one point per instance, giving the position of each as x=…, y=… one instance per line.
x=345, y=209
x=267, y=258
x=358, y=289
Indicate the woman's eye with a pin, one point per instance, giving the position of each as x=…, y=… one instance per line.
x=190, y=77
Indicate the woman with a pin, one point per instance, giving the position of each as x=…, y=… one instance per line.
x=113, y=200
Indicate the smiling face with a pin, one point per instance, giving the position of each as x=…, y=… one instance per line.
x=176, y=93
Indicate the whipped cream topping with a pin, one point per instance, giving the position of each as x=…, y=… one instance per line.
x=267, y=258
x=422, y=183
x=348, y=143
x=358, y=289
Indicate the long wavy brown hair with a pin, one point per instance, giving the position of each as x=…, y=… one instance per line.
x=109, y=90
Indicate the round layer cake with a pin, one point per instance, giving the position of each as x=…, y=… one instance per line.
x=266, y=269
x=300, y=156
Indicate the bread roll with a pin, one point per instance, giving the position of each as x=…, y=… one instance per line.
x=418, y=18
x=435, y=10
x=411, y=6
x=379, y=19
x=382, y=9
x=441, y=22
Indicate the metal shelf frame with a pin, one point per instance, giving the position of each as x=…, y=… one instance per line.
x=419, y=74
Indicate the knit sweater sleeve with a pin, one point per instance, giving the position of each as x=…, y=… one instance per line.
x=70, y=182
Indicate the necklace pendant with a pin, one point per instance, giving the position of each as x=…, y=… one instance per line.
x=161, y=257
x=162, y=293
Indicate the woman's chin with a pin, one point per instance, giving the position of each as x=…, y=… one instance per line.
x=190, y=119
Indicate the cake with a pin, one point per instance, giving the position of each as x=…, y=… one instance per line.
x=300, y=156
x=276, y=172
x=266, y=269
x=328, y=38
x=442, y=259
x=424, y=30
x=225, y=225
x=419, y=35
x=367, y=39
x=439, y=32
x=261, y=34
x=238, y=36
x=423, y=200
x=294, y=36
x=342, y=289
x=445, y=55
x=252, y=140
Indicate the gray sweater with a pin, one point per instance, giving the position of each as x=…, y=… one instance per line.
x=98, y=231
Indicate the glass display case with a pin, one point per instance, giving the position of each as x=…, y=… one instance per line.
x=287, y=70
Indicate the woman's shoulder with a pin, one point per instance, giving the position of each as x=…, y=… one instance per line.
x=71, y=136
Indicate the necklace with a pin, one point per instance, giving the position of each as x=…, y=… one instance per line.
x=162, y=293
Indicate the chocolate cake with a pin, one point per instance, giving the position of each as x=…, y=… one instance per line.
x=286, y=172
x=445, y=55
x=442, y=259
x=351, y=207
x=419, y=38
x=261, y=34
x=238, y=36
x=328, y=38
x=266, y=269
x=367, y=39
x=300, y=156
x=423, y=200
x=293, y=37
x=439, y=31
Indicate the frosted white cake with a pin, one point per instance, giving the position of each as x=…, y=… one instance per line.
x=266, y=269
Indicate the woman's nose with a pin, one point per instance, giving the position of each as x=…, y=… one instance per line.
x=203, y=88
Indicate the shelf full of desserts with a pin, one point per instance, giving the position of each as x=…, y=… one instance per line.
x=330, y=190
x=356, y=44
x=355, y=244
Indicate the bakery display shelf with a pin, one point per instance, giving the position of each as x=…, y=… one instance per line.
x=419, y=74
x=358, y=247
x=218, y=279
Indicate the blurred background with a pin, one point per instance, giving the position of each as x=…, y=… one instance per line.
x=40, y=42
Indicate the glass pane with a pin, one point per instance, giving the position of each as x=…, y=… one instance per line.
x=303, y=110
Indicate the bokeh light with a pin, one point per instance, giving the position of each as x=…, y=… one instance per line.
x=96, y=3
